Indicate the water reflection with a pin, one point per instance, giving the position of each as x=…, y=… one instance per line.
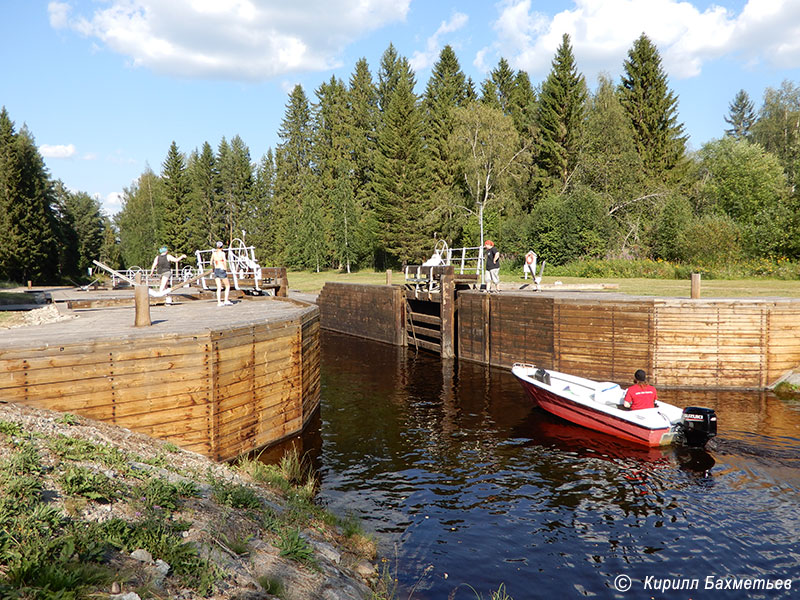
x=451, y=467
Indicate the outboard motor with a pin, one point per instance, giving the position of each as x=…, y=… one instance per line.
x=698, y=425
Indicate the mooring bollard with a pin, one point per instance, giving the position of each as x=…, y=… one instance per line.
x=142, y=301
x=388, y=277
x=695, y=286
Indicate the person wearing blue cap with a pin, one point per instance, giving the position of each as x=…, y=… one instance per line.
x=161, y=263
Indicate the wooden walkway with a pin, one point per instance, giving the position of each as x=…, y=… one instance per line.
x=221, y=381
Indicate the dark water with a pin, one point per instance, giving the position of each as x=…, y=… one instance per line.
x=462, y=482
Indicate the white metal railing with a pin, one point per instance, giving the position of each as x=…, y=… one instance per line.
x=466, y=260
x=241, y=264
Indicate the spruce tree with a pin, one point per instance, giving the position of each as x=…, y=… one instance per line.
x=258, y=221
x=653, y=109
x=400, y=182
x=292, y=172
x=362, y=98
x=206, y=205
x=28, y=226
x=235, y=185
x=741, y=116
x=389, y=74
x=560, y=115
x=504, y=81
x=175, y=214
x=446, y=90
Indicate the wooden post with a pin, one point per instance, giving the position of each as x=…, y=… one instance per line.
x=447, y=287
x=30, y=284
x=283, y=282
x=695, y=286
x=142, y=302
x=388, y=277
x=399, y=303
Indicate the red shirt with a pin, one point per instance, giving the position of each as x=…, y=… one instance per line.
x=641, y=396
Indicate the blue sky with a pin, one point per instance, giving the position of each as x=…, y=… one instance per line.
x=105, y=86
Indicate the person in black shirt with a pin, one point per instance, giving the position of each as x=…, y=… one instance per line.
x=492, y=266
x=164, y=269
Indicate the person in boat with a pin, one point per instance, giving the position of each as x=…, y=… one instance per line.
x=220, y=264
x=492, y=266
x=161, y=263
x=640, y=394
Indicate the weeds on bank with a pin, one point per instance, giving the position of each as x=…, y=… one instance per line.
x=47, y=551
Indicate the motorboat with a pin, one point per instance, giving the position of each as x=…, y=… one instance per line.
x=599, y=405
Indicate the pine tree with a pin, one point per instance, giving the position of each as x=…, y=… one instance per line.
x=400, y=181
x=560, y=115
x=176, y=204
x=653, y=109
x=741, y=116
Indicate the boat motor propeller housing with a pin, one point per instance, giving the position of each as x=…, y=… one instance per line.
x=698, y=425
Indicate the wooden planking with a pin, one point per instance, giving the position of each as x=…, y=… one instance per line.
x=370, y=311
x=199, y=391
x=720, y=344
x=471, y=334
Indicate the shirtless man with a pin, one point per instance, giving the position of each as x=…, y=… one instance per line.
x=220, y=265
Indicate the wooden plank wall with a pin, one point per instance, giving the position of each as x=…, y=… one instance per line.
x=783, y=340
x=742, y=344
x=375, y=312
x=160, y=387
x=220, y=394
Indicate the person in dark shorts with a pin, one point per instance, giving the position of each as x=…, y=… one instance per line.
x=161, y=264
x=220, y=265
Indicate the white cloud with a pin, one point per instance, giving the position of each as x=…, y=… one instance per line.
x=113, y=202
x=602, y=32
x=231, y=39
x=423, y=60
x=57, y=151
x=59, y=14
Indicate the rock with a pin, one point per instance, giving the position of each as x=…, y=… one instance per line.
x=365, y=569
x=327, y=551
x=142, y=556
x=128, y=596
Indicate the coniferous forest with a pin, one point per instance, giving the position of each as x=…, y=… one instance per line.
x=367, y=174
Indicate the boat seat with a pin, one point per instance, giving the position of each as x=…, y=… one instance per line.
x=608, y=393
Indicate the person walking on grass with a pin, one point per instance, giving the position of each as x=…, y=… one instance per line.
x=220, y=264
x=492, y=266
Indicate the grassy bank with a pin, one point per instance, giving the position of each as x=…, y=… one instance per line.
x=88, y=509
x=304, y=281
